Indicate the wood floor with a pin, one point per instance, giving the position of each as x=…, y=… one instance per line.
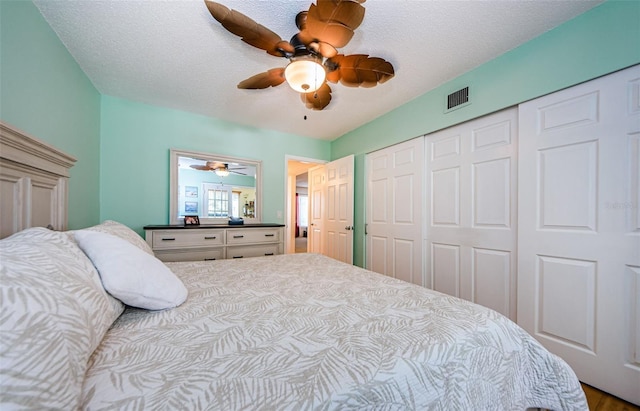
x=601, y=401
x=301, y=244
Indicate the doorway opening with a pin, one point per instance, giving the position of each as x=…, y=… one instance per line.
x=297, y=203
x=302, y=213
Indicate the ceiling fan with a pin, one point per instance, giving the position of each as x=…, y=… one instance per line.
x=312, y=52
x=221, y=169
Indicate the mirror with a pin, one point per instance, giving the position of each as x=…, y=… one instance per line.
x=214, y=188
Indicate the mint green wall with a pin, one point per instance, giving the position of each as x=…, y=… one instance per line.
x=44, y=92
x=122, y=147
x=600, y=41
x=135, y=143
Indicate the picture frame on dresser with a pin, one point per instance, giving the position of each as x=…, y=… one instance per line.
x=191, y=220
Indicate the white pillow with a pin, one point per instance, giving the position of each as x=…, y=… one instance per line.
x=122, y=231
x=55, y=313
x=131, y=275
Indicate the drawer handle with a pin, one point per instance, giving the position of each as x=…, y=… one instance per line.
x=269, y=235
x=210, y=238
x=268, y=253
x=238, y=256
x=168, y=239
x=238, y=236
x=209, y=259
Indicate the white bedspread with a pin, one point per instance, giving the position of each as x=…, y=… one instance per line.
x=307, y=332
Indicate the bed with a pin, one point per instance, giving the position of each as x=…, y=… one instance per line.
x=91, y=320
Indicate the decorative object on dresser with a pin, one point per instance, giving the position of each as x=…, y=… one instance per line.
x=236, y=221
x=214, y=242
x=191, y=220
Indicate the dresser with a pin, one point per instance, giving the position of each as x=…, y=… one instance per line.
x=214, y=242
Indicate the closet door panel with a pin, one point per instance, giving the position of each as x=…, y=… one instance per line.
x=471, y=201
x=394, y=211
x=445, y=268
x=491, y=278
x=445, y=204
x=579, y=242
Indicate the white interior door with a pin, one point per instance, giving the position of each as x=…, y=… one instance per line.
x=471, y=211
x=331, y=205
x=394, y=211
x=579, y=223
x=315, y=236
x=338, y=221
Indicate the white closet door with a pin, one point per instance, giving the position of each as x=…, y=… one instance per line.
x=394, y=211
x=579, y=223
x=471, y=213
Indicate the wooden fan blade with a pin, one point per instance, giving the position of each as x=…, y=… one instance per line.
x=251, y=32
x=359, y=70
x=333, y=21
x=271, y=78
x=319, y=99
x=347, y=12
x=204, y=168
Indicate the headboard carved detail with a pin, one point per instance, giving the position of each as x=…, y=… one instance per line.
x=33, y=182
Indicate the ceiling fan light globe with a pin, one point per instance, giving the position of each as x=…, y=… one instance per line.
x=305, y=76
x=222, y=172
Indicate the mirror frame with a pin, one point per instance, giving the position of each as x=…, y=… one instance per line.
x=173, y=184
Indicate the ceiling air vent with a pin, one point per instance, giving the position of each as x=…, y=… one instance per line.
x=457, y=99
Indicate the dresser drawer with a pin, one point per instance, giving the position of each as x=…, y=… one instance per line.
x=214, y=242
x=253, y=235
x=171, y=239
x=191, y=255
x=253, y=251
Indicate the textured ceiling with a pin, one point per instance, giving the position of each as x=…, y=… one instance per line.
x=174, y=54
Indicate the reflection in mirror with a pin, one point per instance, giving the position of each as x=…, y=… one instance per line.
x=214, y=188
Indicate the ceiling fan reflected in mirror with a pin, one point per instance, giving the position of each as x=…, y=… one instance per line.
x=221, y=169
x=312, y=52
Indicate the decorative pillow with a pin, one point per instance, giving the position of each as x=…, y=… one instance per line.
x=132, y=276
x=124, y=232
x=55, y=312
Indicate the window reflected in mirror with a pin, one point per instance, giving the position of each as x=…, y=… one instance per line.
x=214, y=187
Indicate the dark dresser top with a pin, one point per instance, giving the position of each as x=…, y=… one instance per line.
x=201, y=226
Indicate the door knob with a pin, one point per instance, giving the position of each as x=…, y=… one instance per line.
x=349, y=228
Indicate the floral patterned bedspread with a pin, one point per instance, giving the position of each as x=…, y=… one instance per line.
x=303, y=331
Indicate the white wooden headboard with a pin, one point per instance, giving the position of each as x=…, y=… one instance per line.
x=33, y=182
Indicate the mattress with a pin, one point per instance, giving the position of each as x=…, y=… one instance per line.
x=303, y=331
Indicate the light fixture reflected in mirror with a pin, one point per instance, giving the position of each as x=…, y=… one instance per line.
x=305, y=74
x=222, y=172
